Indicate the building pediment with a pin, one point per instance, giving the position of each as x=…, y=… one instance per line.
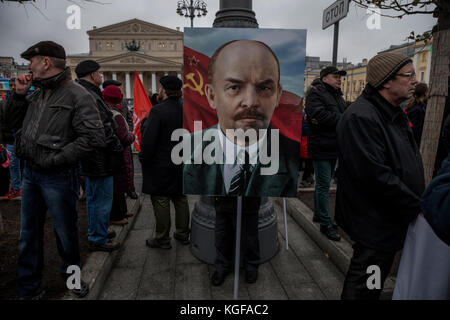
x=136, y=58
x=133, y=27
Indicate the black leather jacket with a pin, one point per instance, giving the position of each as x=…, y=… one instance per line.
x=324, y=107
x=57, y=125
x=102, y=162
x=380, y=173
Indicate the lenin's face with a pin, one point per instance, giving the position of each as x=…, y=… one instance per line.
x=245, y=88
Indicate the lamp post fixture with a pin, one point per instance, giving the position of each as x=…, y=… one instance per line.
x=191, y=8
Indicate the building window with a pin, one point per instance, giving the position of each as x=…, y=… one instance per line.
x=422, y=76
x=424, y=57
x=161, y=45
x=109, y=45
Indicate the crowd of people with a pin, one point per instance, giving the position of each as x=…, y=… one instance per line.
x=71, y=129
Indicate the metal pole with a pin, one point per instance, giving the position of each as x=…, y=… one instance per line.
x=237, y=259
x=335, y=43
x=191, y=12
x=285, y=223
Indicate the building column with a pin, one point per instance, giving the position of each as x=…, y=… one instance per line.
x=114, y=76
x=165, y=73
x=179, y=76
x=127, y=85
x=153, y=82
x=140, y=77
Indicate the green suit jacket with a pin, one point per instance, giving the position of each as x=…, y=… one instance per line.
x=207, y=179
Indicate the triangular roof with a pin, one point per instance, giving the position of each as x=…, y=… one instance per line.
x=134, y=26
x=136, y=58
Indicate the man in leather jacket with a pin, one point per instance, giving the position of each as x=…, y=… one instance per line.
x=324, y=106
x=56, y=126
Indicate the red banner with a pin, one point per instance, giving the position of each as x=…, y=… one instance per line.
x=287, y=116
x=141, y=108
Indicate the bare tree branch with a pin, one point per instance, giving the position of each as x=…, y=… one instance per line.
x=40, y=11
x=26, y=12
x=396, y=6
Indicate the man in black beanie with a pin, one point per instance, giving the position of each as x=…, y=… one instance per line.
x=162, y=179
x=56, y=127
x=380, y=174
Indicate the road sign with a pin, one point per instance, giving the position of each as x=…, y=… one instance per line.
x=334, y=13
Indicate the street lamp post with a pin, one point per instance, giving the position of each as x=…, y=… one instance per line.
x=191, y=8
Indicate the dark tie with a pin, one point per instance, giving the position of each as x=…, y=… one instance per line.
x=240, y=180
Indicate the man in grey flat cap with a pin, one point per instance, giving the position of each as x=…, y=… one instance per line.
x=56, y=126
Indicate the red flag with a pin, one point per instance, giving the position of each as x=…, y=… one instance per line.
x=3, y=95
x=141, y=108
x=287, y=116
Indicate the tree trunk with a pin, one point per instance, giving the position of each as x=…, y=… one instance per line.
x=437, y=94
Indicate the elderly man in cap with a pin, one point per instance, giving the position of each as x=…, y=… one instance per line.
x=161, y=178
x=324, y=106
x=58, y=125
x=380, y=174
x=101, y=164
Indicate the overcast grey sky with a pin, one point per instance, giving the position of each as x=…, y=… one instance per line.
x=21, y=28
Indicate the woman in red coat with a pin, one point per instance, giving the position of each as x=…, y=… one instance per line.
x=113, y=97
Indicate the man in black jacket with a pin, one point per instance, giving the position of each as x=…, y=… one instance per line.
x=380, y=174
x=56, y=126
x=162, y=179
x=324, y=106
x=99, y=167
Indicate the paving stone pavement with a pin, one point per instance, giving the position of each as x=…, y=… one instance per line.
x=140, y=273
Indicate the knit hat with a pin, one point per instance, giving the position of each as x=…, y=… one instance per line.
x=86, y=67
x=384, y=66
x=112, y=95
x=45, y=48
x=171, y=83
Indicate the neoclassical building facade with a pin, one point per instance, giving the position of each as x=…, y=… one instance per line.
x=134, y=45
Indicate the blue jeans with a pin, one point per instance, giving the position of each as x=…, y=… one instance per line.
x=99, y=197
x=56, y=191
x=323, y=170
x=14, y=168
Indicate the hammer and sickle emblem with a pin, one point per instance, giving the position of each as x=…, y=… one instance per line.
x=197, y=85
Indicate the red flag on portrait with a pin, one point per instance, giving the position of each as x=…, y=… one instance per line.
x=141, y=108
x=287, y=116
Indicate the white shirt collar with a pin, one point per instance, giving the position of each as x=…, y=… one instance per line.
x=231, y=156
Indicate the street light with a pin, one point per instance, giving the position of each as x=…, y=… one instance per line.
x=191, y=8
